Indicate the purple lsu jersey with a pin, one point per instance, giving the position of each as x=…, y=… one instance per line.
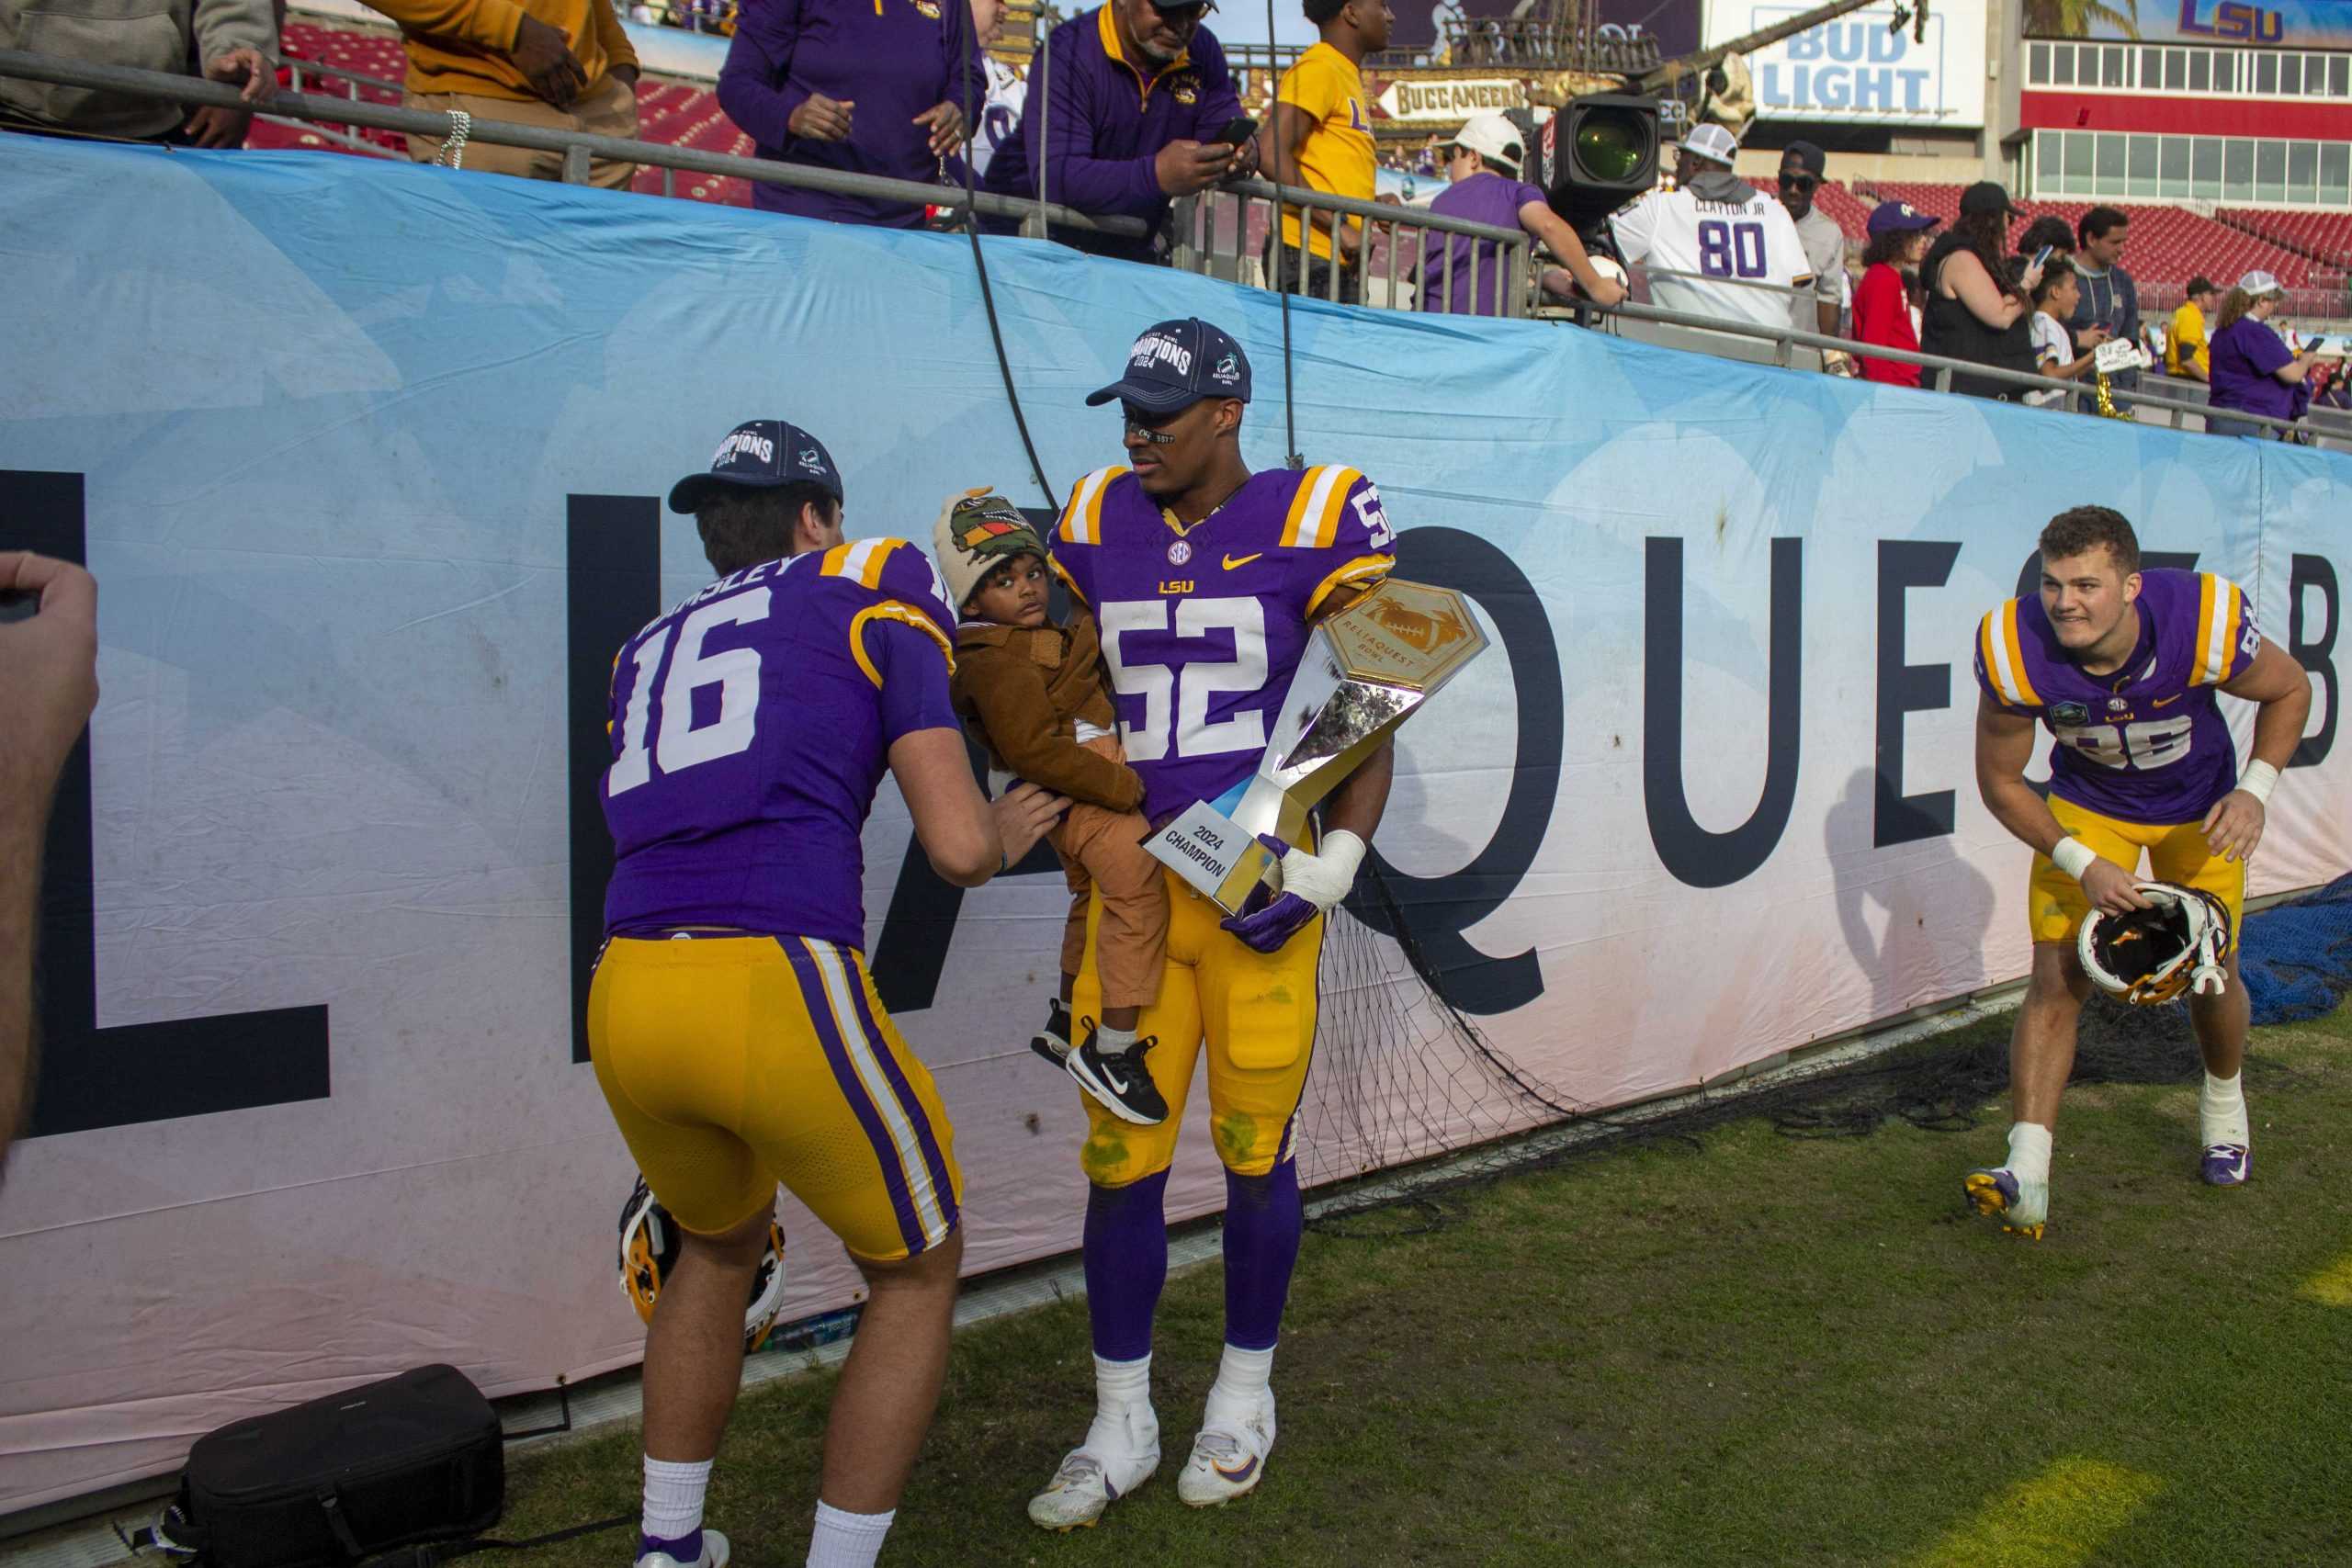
x=1203, y=630
x=2147, y=743
x=750, y=727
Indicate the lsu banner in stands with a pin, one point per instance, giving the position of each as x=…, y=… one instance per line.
x=367, y=459
x=2292, y=24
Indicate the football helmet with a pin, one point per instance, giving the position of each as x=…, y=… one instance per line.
x=2148, y=957
x=650, y=1242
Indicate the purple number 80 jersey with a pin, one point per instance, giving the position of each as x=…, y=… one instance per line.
x=751, y=728
x=1203, y=630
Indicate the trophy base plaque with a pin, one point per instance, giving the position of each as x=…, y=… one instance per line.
x=1217, y=858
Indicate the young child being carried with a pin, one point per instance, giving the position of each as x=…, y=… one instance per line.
x=1032, y=694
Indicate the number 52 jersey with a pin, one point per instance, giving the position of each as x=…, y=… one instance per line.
x=750, y=727
x=1203, y=628
x=2147, y=743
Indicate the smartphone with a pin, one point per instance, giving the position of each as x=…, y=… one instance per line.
x=1237, y=130
x=2041, y=256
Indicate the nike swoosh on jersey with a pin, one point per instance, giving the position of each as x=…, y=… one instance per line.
x=1232, y=560
x=2174, y=698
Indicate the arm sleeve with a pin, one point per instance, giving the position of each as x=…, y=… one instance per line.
x=963, y=79
x=2234, y=640
x=911, y=579
x=611, y=37
x=1362, y=548
x=1987, y=681
x=754, y=86
x=914, y=693
x=1788, y=259
x=1009, y=693
x=490, y=24
x=1218, y=101
x=1074, y=176
x=223, y=24
x=2265, y=350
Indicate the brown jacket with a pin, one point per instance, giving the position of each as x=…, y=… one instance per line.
x=1021, y=690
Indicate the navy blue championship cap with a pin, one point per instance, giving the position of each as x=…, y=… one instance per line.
x=1175, y=365
x=759, y=454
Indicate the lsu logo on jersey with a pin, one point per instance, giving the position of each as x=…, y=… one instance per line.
x=1185, y=89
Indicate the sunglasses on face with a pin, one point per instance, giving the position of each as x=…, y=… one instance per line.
x=1800, y=181
x=1143, y=425
x=1179, y=14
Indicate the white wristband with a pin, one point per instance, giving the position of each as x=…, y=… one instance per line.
x=2073, y=856
x=2258, y=780
x=1324, y=878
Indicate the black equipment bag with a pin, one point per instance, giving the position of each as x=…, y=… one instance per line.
x=414, y=1458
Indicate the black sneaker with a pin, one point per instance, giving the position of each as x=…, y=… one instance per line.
x=1052, y=1042
x=1118, y=1079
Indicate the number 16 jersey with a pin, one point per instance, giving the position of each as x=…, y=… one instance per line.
x=1203, y=628
x=2145, y=743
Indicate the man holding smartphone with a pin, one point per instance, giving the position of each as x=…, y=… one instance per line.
x=1131, y=99
x=1321, y=138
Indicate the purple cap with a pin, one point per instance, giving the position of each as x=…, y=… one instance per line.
x=1175, y=365
x=1900, y=216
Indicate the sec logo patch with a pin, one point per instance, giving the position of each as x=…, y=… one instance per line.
x=1179, y=552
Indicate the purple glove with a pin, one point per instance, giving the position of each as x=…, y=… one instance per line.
x=1269, y=919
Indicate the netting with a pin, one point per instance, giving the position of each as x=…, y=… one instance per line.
x=1400, y=1075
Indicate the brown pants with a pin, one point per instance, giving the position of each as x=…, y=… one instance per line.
x=609, y=109
x=1100, y=848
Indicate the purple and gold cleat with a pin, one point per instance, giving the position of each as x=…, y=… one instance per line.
x=1995, y=1194
x=2226, y=1164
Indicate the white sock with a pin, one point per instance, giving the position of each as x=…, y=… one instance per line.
x=2030, y=1152
x=847, y=1540
x=1110, y=1040
x=1241, y=1379
x=1123, y=1413
x=673, y=1493
x=2220, y=1109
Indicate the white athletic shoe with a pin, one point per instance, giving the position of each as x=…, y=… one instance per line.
x=1098, y=1473
x=714, y=1555
x=1228, y=1457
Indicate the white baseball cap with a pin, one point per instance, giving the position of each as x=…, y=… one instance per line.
x=1495, y=138
x=1712, y=143
x=2258, y=283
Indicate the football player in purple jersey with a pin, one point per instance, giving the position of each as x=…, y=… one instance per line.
x=2123, y=665
x=736, y=1034
x=1204, y=579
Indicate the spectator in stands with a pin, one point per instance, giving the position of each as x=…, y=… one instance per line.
x=1802, y=167
x=837, y=84
x=2058, y=352
x=558, y=65
x=232, y=41
x=1136, y=95
x=1484, y=167
x=2110, y=297
x=1883, y=300
x=2252, y=370
x=2047, y=230
x=1713, y=239
x=1008, y=89
x=1972, y=311
x=1321, y=138
x=2185, y=350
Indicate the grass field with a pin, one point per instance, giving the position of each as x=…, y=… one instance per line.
x=1772, y=1351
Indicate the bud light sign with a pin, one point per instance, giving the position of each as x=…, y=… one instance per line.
x=1866, y=67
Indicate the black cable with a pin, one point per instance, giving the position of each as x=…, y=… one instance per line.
x=1291, y=458
x=965, y=30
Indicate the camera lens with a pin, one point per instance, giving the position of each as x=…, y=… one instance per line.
x=1611, y=146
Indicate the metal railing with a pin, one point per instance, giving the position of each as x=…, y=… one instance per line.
x=578, y=148
x=1199, y=238
x=1213, y=236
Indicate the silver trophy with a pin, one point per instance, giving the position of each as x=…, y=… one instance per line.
x=1365, y=670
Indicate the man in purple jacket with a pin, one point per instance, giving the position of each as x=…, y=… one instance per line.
x=875, y=89
x=1133, y=96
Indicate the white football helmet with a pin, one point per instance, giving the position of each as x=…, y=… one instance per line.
x=650, y=1241
x=2150, y=956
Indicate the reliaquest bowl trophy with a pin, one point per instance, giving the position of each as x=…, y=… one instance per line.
x=1365, y=670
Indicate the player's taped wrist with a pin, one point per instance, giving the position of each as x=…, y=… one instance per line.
x=2258, y=780
x=2073, y=856
x=1323, y=878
